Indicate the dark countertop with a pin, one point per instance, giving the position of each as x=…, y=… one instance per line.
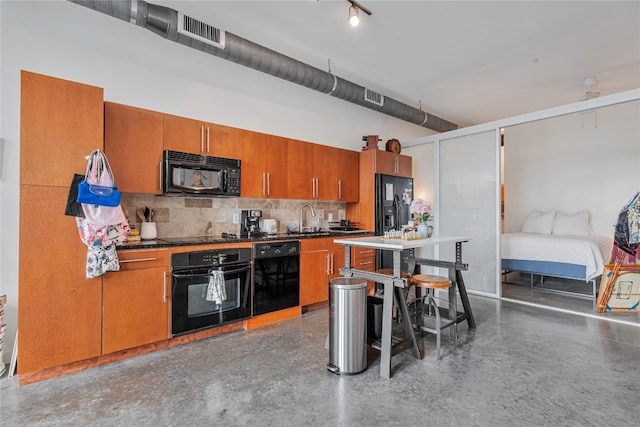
x=170, y=242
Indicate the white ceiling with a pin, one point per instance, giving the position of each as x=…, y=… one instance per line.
x=469, y=62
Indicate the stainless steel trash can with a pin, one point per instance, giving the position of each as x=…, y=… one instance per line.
x=347, y=326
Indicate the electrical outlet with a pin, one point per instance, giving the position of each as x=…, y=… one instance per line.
x=236, y=218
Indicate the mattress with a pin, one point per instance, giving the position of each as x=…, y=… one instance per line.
x=574, y=257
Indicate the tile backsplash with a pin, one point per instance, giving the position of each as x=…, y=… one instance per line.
x=189, y=216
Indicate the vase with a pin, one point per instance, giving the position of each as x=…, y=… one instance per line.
x=424, y=230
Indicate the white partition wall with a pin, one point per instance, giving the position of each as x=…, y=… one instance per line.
x=468, y=205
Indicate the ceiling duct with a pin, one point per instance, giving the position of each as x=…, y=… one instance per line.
x=191, y=32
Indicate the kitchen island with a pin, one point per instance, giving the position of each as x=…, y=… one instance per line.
x=393, y=285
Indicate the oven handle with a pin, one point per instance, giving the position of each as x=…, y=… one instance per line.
x=239, y=270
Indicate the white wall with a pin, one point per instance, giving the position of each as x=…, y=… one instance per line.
x=136, y=67
x=568, y=164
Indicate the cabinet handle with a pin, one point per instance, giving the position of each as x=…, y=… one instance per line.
x=263, y=183
x=339, y=189
x=160, y=177
x=367, y=252
x=202, y=138
x=395, y=165
x=268, y=184
x=317, y=187
x=137, y=260
x=328, y=268
x=366, y=263
x=164, y=286
x=332, y=264
x=208, y=148
x=313, y=187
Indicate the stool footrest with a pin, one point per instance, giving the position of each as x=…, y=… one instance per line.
x=398, y=344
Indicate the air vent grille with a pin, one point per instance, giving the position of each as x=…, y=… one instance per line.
x=200, y=31
x=373, y=97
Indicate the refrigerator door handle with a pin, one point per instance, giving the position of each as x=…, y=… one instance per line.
x=396, y=212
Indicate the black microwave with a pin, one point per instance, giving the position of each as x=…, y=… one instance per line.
x=198, y=175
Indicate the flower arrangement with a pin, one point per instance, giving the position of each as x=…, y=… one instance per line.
x=421, y=210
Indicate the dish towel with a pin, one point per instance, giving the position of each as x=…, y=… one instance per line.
x=216, y=290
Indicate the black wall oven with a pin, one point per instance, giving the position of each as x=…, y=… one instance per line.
x=194, y=274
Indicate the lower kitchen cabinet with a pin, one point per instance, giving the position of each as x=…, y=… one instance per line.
x=320, y=261
x=135, y=301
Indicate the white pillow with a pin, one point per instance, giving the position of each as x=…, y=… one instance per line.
x=539, y=222
x=572, y=225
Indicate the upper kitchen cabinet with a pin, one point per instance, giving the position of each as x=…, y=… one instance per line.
x=61, y=123
x=322, y=172
x=264, y=165
x=388, y=163
x=348, y=175
x=195, y=136
x=302, y=180
x=133, y=144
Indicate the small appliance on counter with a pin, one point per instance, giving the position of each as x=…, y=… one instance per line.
x=269, y=226
x=250, y=223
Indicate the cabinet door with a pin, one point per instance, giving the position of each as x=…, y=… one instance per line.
x=300, y=176
x=183, y=134
x=60, y=123
x=314, y=277
x=385, y=162
x=348, y=176
x=404, y=165
x=253, y=180
x=275, y=165
x=133, y=144
x=134, y=307
x=222, y=141
x=326, y=166
x=59, y=310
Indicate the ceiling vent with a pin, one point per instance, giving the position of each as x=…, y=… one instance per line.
x=200, y=31
x=373, y=97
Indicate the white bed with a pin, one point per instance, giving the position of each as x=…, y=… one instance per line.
x=557, y=245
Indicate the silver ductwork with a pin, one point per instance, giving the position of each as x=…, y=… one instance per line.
x=177, y=27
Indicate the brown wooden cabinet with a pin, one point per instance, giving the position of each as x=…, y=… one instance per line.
x=135, y=301
x=133, y=143
x=301, y=179
x=364, y=259
x=348, y=175
x=388, y=163
x=60, y=123
x=264, y=165
x=59, y=309
x=195, y=136
x=320, y=261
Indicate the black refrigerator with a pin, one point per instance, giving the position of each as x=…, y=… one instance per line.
x=393, y=197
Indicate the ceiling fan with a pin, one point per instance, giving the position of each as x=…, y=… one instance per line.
x=589, y=83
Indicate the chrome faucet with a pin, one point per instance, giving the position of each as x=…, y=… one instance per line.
x=302, y=217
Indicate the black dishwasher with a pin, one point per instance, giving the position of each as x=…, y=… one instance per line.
x=276, y=276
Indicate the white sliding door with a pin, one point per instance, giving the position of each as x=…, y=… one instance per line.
x=468, y=181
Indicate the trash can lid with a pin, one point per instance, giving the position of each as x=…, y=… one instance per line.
x=347, y=283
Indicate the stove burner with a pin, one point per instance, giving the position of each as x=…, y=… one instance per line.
x=229, y=236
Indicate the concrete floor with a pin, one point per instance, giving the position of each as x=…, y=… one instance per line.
x=523, y=365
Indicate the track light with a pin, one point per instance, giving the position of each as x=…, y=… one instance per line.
x=354, y=18
x=354, y=12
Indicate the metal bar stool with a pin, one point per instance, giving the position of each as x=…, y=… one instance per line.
x=429, y=317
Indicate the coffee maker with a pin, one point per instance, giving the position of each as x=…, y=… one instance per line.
x=250, y=223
